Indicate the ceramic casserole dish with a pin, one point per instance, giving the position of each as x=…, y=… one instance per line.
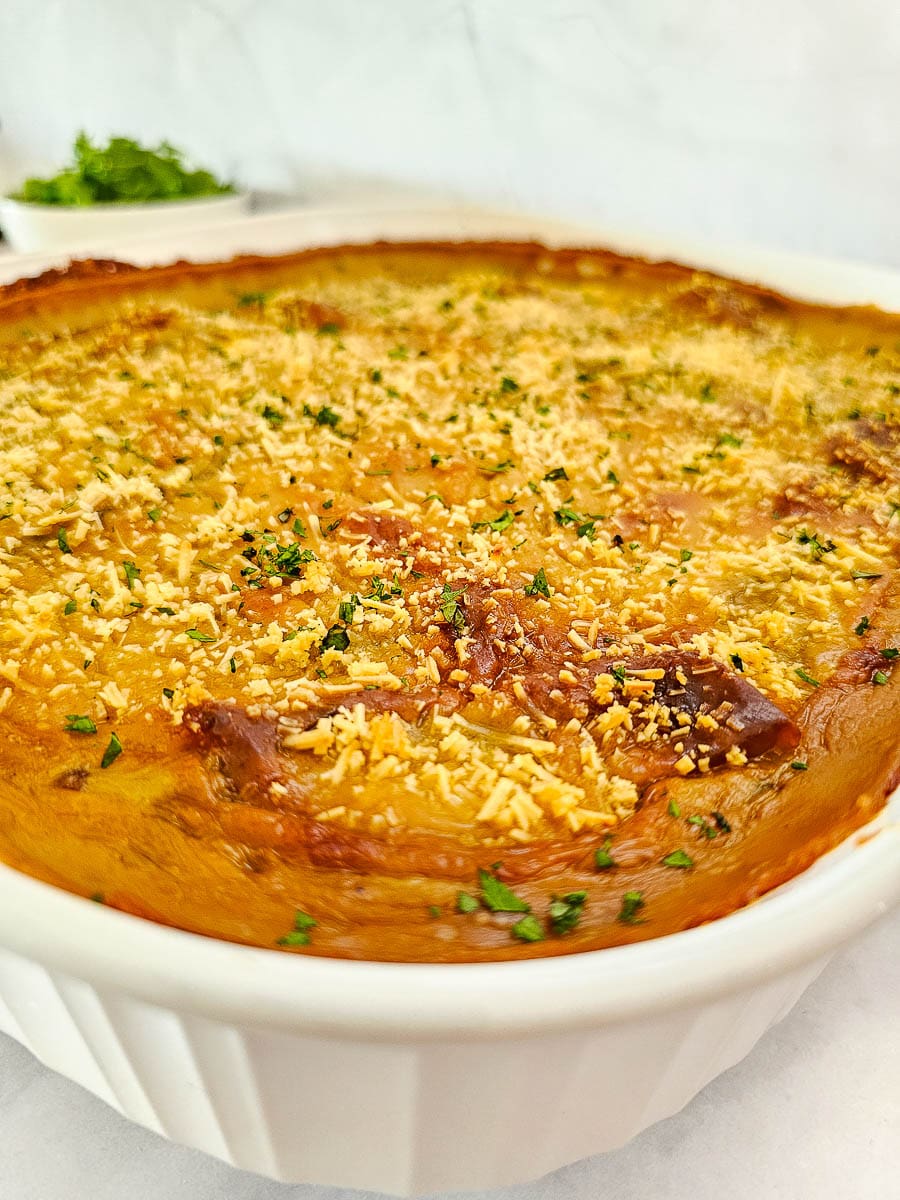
x=417, y=1077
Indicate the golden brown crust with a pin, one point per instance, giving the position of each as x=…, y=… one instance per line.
x=365, y=762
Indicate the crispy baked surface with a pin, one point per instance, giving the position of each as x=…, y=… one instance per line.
x=441, y=602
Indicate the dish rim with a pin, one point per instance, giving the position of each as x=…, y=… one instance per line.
x=842, y=891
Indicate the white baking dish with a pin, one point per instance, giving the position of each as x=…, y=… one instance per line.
x=48, y=227
x=418, y=1078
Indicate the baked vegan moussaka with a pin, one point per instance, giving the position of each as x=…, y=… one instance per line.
x=441, y=602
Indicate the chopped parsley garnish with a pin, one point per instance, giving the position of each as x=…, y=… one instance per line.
x=381, y=590
x=796, y=765
x=112, y=751
x=275, y=559
x=154, y=513
x=329, y=328
x=707, y=830
x=728, y=439
x=539, y=585
x=71, y=606
x=498, y=524
x=299, y=935
x=678, y=858
x=252, y=299
x=451, y=610
x=816, y=546
x=165, y=610
x=529, y=929
x=347, y=608
x=618, y=673
x=466, y=903
x=336, y=639
x=131, y=573
x=612, y=477
x=565, y=911
x=399, y=352
x=62, y=540
x=865, y=575
x=806, y=677
x=274, y=416
x=325, y=415
x=79, y=724
x=556, y=473
x=232, y=665
x=862, y=626
x=879, y=677
x=298, y=528
x=508, y=385
x=686, y=555
x=603, y=860
x=197, y=635
x=632, y=904
x=890, y=653
x=674, y=809
x=497, y=896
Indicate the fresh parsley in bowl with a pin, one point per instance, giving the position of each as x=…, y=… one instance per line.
x=120, y=188
x=122, y=171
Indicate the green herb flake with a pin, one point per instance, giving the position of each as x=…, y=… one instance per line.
x=508, y=385
x=451, y=610
x=539, y=585
x=603, y=860
x=737, y=662
x=674, y=809
x=806, y=677
x=347, y=608
x=324, y=416
x=497, y=896
x=796, y=765
x=678, y=858
x=71, y=606
x=62, y=540
x=131, y=573
x=817, y=547
x=728, y=439
x=336, y=639
x=861, y=628
x=556, y=473
x=498, y=524
x=465, y=903
x=154, y=514
x=686, y=555
x=865, y=575
x=632, y=904
x=79, y=724
x=890, y=653
x=565, y=911
x=529, y=929
x=298, y=528
x=197, y=635
x=112, y=751
x=274, y=416
x=879, y=678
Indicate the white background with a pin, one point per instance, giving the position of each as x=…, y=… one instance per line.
x=772, y=123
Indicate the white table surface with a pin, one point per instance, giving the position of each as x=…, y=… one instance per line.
x=812, y=1114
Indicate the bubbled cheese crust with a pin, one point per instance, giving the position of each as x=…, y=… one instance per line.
x=479, y=551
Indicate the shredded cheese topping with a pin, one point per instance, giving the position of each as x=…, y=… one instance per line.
x=286, y=503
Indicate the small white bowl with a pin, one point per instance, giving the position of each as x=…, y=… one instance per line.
x=36, y=227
